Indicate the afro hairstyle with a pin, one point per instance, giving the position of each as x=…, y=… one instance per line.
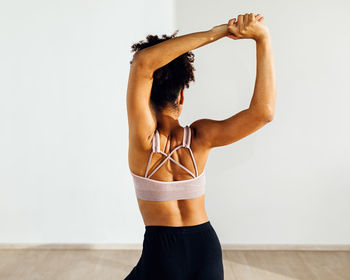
x=170, y=79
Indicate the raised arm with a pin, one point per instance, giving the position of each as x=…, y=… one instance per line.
x=141, y=118
x=161, y=54
x=214, y=133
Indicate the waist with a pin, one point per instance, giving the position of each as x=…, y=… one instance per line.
x=173, y=213
x=179, y=229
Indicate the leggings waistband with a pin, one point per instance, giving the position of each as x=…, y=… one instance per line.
x=180, y=229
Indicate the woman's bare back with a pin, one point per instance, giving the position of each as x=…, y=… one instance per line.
x=173, y=212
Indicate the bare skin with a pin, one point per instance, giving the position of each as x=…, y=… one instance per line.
x=207, y=134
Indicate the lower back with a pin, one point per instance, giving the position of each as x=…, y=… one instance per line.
x=185, y=212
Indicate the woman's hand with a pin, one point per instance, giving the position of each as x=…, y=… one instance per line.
x=247, y=26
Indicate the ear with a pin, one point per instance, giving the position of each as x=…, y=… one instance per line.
x=182, y=97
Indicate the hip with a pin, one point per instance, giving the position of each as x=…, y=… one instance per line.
x=188, y=244
x=174, y=253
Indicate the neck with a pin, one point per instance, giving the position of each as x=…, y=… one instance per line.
x=167, y=124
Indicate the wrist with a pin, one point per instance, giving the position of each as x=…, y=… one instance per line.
x=218, y=32
x=264, y=37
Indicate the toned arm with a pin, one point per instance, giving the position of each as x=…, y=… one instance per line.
x=141, y=119
x=214, y=133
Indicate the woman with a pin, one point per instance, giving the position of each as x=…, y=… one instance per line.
x=167, y=161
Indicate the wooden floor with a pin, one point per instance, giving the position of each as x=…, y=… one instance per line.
x=116, y=264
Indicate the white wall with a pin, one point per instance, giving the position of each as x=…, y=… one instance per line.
x=64, y=174
x=288, y=182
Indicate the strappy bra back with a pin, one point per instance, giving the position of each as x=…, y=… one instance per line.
x=155, y=190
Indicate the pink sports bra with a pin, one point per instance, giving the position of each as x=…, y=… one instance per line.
x=155, y=190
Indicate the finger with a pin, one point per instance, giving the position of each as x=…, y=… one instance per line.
x=245, y=19
x=240, y=22
x=251, y=17
x=231, y=26
x=232, y=21
x=258, y=16
x=233, y=30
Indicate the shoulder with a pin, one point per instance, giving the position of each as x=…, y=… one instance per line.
x=200, y=133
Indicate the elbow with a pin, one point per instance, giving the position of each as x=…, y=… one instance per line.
x=268, y=118
x=266, y=114
x=140, y=60
x=137, y=58
x=141, y=65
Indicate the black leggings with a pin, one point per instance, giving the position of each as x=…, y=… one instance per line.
x=179, y=253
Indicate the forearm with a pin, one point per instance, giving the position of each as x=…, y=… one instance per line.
x=156, y=56
x=263, y=100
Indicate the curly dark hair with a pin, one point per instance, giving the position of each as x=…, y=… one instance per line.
x=169, y=80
